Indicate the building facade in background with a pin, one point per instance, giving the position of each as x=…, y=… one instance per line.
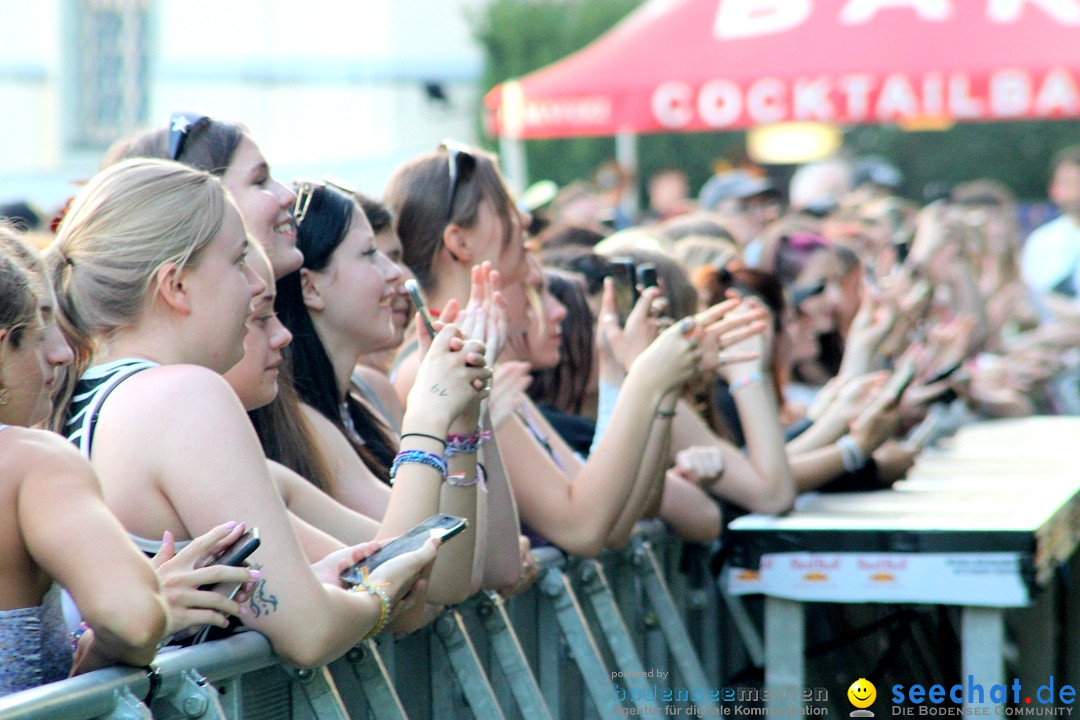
x=325, y=86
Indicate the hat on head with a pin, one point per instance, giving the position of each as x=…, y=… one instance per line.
x=877, y=170
x=737, y=184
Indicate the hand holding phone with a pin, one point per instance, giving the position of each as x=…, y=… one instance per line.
x=624, y=275
x=235, y=554
x=418, y=300
x=440, y=526
x=898, y=382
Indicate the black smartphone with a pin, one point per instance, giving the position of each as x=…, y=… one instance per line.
x=418, y=301
x=646, y=276
x=624, y=275
x=441, y=526
x=943, y=373
x=237, y=553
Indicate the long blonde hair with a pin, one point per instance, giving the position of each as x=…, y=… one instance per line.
x=126, y=223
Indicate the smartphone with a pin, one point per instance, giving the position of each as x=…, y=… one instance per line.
x=237, y=553
x=646, y=276
x=900, y=379
x=625, y=276
x=943, y=373
x=418, y=301
x=441, y=526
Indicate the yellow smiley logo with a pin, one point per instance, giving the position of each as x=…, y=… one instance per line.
x=862, y=693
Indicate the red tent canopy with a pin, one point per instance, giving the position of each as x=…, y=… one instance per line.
x=701, y=65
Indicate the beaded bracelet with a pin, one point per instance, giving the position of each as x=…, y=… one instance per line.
x=384, y=607
x=744, y=381
x=457, y=444
x=417, y=456
x=423, y=435
x=458, y=479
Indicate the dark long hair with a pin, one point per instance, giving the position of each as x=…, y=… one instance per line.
x=564, y=386
x=210, y=145
x=326, y=223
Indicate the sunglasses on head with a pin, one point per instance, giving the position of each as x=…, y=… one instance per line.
x=462, y=163
x=304, y=190
x=180, y=124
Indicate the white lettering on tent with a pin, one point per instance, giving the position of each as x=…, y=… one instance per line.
x=1010, y=93
x=747, y=18
x=856, y=89
x=857, y=12
x=1066, y=12
x=594, y=110
x=961, y=102
x=765, y=101
x=673, y=104
x=1058, y=92
x=719, y=103
x=896, y=99
x=933, y=93
x=810, y=99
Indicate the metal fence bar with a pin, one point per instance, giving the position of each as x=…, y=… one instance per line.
x=317, y=688
x=450, y=630
x=682, y=650
x=528, y=641
x=640, y=690
x=367, y=667
x=555, y=586
x=511, y=657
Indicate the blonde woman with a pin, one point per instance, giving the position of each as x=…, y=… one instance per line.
x=150, y=270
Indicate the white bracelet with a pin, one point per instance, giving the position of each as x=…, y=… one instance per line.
x=852, y=454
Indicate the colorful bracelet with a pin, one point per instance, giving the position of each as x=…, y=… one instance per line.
x=458, y=479
x=744, y=381
x=417, y=456
x=423, y=435
x=77, y=634
x=457, y=444
x=384, y=607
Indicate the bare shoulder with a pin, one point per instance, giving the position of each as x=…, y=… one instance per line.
x=38, y=449
x=42, y=458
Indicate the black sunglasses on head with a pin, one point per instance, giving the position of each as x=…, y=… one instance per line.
x=462, y=163
x=180, y=124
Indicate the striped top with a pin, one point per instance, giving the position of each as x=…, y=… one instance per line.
x=91, y=391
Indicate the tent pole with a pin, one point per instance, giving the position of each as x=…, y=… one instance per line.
x=626, y=156
x=515, y=166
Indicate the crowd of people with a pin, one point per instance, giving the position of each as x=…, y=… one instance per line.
x=223, y=352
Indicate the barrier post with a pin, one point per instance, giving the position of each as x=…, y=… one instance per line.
x=608, y=617
x=370, y=672
x=318, y=689
x=450, y=630
x=556, y=588
x=667, y=615
x=511, y=658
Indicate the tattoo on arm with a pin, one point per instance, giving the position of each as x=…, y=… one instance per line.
x=262, y=602
x=440, y=391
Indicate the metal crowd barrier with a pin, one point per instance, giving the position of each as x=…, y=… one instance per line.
x=627, y=633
